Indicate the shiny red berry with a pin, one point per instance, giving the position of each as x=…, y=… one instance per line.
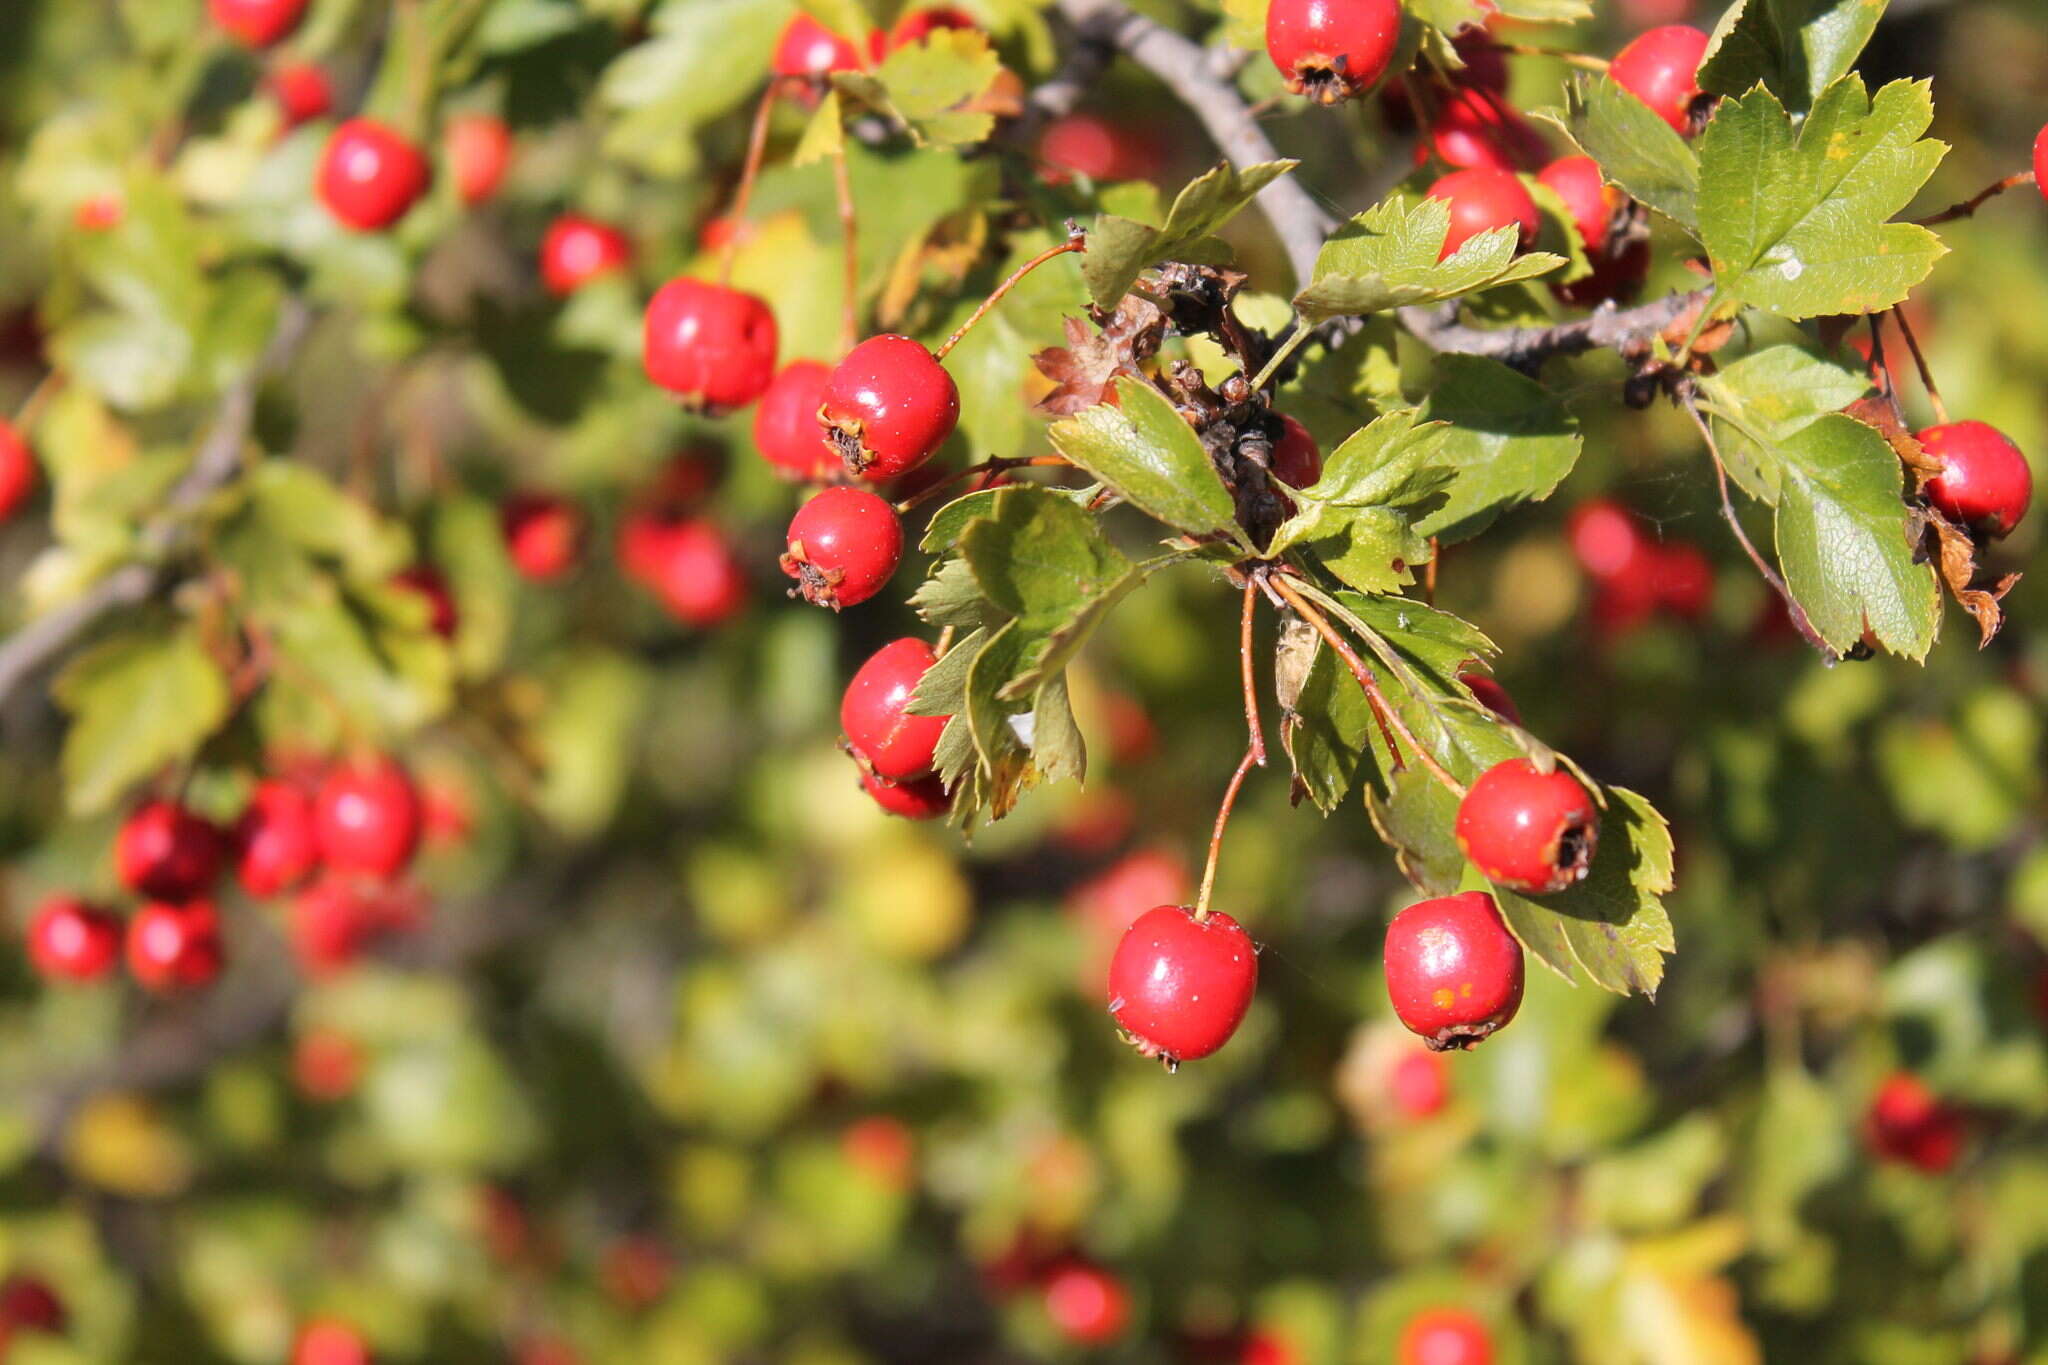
x=577, y=250
x=1180, y=986
x=895, y=745
x=1587, y=196
x=1661, y=68
x=2041, y=161
x=1087, y=1305
x=274, y=841
x=1332, y=50
x=1528, y=830
x=808, y=50
x=256, y=23
x=1908, y=1123
x=1297, y=460
x=923, y=798
x=843, y=547
x=17, y=470
x=888, y=407
x=27, y=1301
x=166, y=852
x=786, y=430
x=366, y=818
x=1607, y=540
x=688, y=565
x=479, y=149
x=1984, y=483
x=1419, y=1084
x=1482, y=200
x=1491, y=695
x=370, y=175
x=918, y=24
x=1454, y=972
x=542, y=534
x=1477, y=129
x=328, y=1342
x=175, y=947
x=426, y=581
x=712, y=345
x=69, y=940
x=1445, y=1336
x=302, y=92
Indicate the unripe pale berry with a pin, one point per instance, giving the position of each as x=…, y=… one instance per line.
x=1454, y=972
x=713, y=346
x=1297, y=460
x=1180, y=986
x=923, y=798
x=1445, y=1336
x=175, y=947
x=166, y=852
x=888, y=407
x=479, y=148
x=1477, y=129
x=17, y=470
x=274, y=841
x=1587, y=196
x=256, y=23
x=1482, y=200
x=302, y=92
x=786, y=430
x=1661, y=68
x=577, y=250
x=1332, y=50
x=1087, y=1305
x=1984, y=483
x=366, y=818
x=69, y=940
x=370, y=175
x=843, y=547
x=1528, y=830
x=542, y=534
x=894, y=744
x=1907, y=1122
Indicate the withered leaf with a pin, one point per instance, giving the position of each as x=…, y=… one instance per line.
x=1083, y=369
x=1956, y=556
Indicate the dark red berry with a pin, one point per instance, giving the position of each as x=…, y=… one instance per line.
x=1445, y=1336
x=479, y=148
x=636, y=1270
x=1180, y=986
x=843, y=547
x=1587, y=196
x=1419, y=1084
x=1477, y=129
x=257, y=23
x=1454, y=972
x=426, y=581
x=895, y=745
x=27, y=1301
x=918, y=24
x=276, y=849
x=712, y=345
x=808, y=50
x=786, y=430
x=1332, y=50
x=1087, y=1305
x=366, y=818
x=1984, y=482
x=175, y=947
x=1491, y=695
x=1661, y=68
x=1482, y=200
x=688, y=565
x=17, y=470
x=1297, y=460
x=302, y=92
x=325, y=1341
x=577, y=250
x=1682, y=577
x=1908, y=1123
x=69, y=940
x=370, y=175
x=166, y=852
x=1607, y=540
x=542, y=534
x=1528, y=830
x=888, y=407
x=923, y=798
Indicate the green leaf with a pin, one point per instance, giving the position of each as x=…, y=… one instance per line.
x=1794, y=216
x=584, y=738
x=1360, y=518
x=1767, y=397
x=1795, y=48
x=942, y=691
x=466, y=544
x=952, y=597
x=1057, y=749
x=1510, y=439
x=700, y=60
x=138, y=702
x=1004, y=767
x=369, y=654
x=824, y=136
x=1636, y=149
x=1386, y=258
x=1119, y=249
x=950, y=522
x=1142, y=449
x=1324, y=727
x=924, y=85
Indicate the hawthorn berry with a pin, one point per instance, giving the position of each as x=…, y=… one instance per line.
x=28, y=1301
x=636, y=1270
x=1111, y=899
x=1419, y=1084
x=843, y=547
x=1485, y=68
x=1445, y=1336
x=809, y=51
x=479, y=148
x=1488, y=692
x=577, y=250
x=1482, y=200
x=17, y=470
x=301, y=91
x=1454, y=972
x=1587, y=196
x=1661, y=68
x=370, y=174
x=1607, y=540
x=923, y=798
x=256, y=23
x=1179, y=986
x=1332, y=50
x=1086, y=1304
x=1086, y=144
x=1528, y=830
x=1984, y=483
x=882, y=1148
x=688, y=565
x=274, y=842
x=918, y=24
x=2041, y=161
x=69, y=940
x=1476, y=129
x=895, y=745
x=888, y=406
x=713, y=345
x=330, y=923
x=1297, y=459
x=542, y=534
x=1682, y=579
x=1268, y=1347
x=1908, y=1123
x=166, y=852
x=326, y=1341
x=175, y=947
x=426, y=581
x=327, y=1064
x=786, y=428
x=366, y=818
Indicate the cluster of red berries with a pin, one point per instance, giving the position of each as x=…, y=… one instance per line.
x=1634, y=574
x=808, y=52
x=1909, y=1123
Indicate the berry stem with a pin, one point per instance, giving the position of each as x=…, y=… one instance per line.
x=1970, y=206
x=995, y=466
x=849, y=312
x=1285, y=349
x=1077, y=240
x=757, y=145
x=1920, y=363
x=1244, y=657
x=1216, y=836
x=39, y=397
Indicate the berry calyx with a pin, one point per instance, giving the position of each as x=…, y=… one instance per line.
x=69, y=940
x=166, y=852
x=1454, y=972
x=479, y=148
x=888, y=406
x=301, y=91
x=577, y=250
x=366, y=818
x=1477, y=129
x=1087, y=1305
x=1528, y=830
x=175, y=947
x=274, y=840
x=17, y=470
x=1332, y=50
x=843, y=547
x=786, y=423
x=924, y=798
x=1179, y=986
x=1661, y=68
x=1445, y=1336
x=894, y=744
x=713, y=346
x=1297, y=459
x=688, y=565
x=325, y=1341
x=1984, y=483
x=1491, y=695
x=809, y=51
x=1482, y=200
x=542, y=534
x=256, y=23
x=370, y=174
x=1587, y=196
x=1909, y=1123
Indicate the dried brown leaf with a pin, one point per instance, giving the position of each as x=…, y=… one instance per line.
x=1082, y=370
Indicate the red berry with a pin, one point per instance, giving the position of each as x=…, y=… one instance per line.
x=165, y=852
x=1528, y=830
x=1481, y=200
x=1476, y=128
x=100, y=213
x=175, y=947
x=1267, y=1347
x=426, y=580
x=689, y=565
x=366, y=817
x=1607, y=540
x=331, y=921
x=1661, y=68
x=327, y=1342
x=1419, y=1084
x=882, y=1148
x=1180, y=986
x=1127, y=888
x=577, y=250
x=844, y=545
x=923, y=798
x=636, y=1270
x=302, y=91
x=69, y=940
x=1491, y=695
x=326, y=1065
x=275, y=846
x=918, y=24
x=1084, y=144
x=479, y=148
x=28, y=1301
x=1682, y=578
x=542, y=533
x=1907, y=1122
x=1332, y=50
x=1088, y=1305
x=1454, y=972
x=2041, y=161
x=895, y=745
x=808, y=50
x=17, y=470
x=1297, y=460
x=1485, y=68
x=786, y=423
x=1587, y=196
x=370, y=175
x=257, y=23
x=1445, y=1336
x=889, y=405
x=1984, y=482
x=713, y=345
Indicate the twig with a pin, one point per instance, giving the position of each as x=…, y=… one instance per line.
x=757, y=145
x=1523, y=348
x=849, y=245
x=1076, y=241
x=1216, y=836
x=1970, y=206
x=1244, y=657
x=1920, y=363
x=995, y=466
